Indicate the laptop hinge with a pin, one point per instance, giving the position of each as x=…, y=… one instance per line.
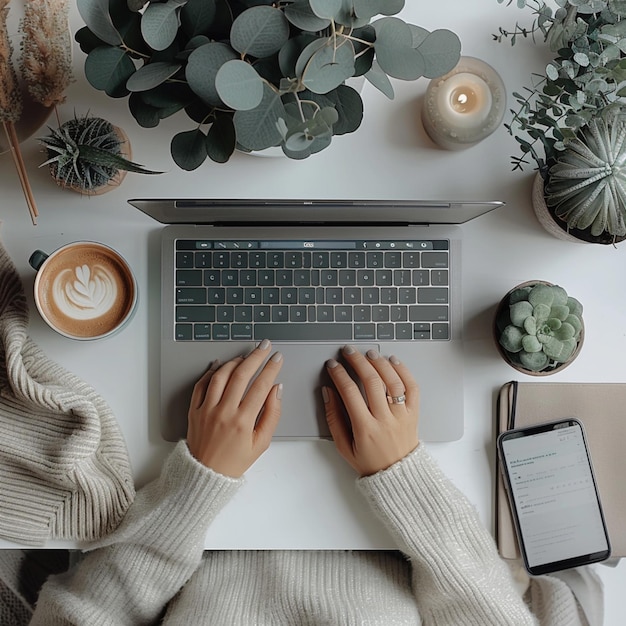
x=351, y=224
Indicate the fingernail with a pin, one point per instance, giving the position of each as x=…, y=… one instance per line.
x=372, y=354
x=264, y=345
x=277, y=357
x=395, y=360
x=349, y=350
x=279, y=391
x=215, y=365
x=331, y=363
x=325, y=395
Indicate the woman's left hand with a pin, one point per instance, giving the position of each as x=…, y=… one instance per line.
x=231, y=420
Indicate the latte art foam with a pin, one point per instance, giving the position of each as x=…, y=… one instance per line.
x=85, y=292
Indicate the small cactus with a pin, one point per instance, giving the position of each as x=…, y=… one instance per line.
x=85, y=153
x=540, y=326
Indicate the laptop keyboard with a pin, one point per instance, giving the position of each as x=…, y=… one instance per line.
x=311, y=290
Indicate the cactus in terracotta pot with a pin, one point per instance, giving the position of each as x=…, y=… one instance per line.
x=86, y=154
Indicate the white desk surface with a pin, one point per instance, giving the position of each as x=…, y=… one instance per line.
x=301, y=495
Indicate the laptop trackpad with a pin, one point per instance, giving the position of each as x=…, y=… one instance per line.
x=303, y=375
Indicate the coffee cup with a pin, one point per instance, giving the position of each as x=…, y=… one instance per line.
x=84, y=290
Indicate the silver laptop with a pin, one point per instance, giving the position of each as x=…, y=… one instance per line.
x=312, y=276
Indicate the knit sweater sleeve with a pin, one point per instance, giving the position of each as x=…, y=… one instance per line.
x=458, y=577
x=134, y=572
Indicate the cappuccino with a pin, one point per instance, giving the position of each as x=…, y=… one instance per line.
x=84, y=290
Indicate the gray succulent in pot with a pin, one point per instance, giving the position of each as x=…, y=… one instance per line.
x=539, y=328
x=586, y=187
x=254, y=74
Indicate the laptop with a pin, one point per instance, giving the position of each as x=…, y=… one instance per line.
x=312, y=276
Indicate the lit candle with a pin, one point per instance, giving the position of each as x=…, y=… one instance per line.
x=464, y=106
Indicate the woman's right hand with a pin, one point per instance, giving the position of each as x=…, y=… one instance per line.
x=230, y=421
x=372, y=432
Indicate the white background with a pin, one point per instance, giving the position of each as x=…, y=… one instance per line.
x=301, y=495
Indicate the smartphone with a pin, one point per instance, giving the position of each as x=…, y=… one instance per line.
x=554, y=497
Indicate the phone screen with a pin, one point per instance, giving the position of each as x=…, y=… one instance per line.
x=550, y=480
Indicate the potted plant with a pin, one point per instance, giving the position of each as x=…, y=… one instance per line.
x=89, y=155
x=570, y=121
x=539, y=328
x=252, y=74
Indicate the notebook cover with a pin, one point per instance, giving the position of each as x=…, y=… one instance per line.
x=601, y=407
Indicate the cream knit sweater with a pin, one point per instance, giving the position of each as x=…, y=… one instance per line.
x=64, y=467
x=153, y=567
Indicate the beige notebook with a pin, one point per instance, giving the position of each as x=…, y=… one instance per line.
x=601, y=407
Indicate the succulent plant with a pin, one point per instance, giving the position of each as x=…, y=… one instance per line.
x=254, y=74
x=85, y=153
x=539, y=326
x=586, y=187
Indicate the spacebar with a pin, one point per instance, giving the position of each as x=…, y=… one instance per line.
x=303, y=332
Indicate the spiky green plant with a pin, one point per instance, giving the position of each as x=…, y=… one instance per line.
x=85, y=153
x=539, y=326
x=586, y=187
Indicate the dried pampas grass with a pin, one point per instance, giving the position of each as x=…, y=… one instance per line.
x=10, y=97
x=46, y=50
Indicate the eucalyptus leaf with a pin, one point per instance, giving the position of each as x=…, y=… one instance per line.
x=300, y=14
x=363, y=62
x=317, y=145
x=197, y=16
x=168, y=95
x=298, y=142
x=363, y=42
x=159, y=23
x=440, y=51
x=259, y=31
x=308, y=52
x=346, y=101
x=418, y=33
x=146, y=115
x=367, y=9
x=257, y=129
x=346, y=15
x=95, y=14
x=188, y=149
x=200, y=112
x=221, y=139
x=326, y=9
x=151, y=75
x=202, y=67
x=394, y=50
x=289, y=54
x=108, y=69
x=87, y=40
x=197, y=41
x=328, y=68
x=380, y=80
x=239, y=86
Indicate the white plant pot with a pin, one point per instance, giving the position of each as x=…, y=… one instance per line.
x=543, y=214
